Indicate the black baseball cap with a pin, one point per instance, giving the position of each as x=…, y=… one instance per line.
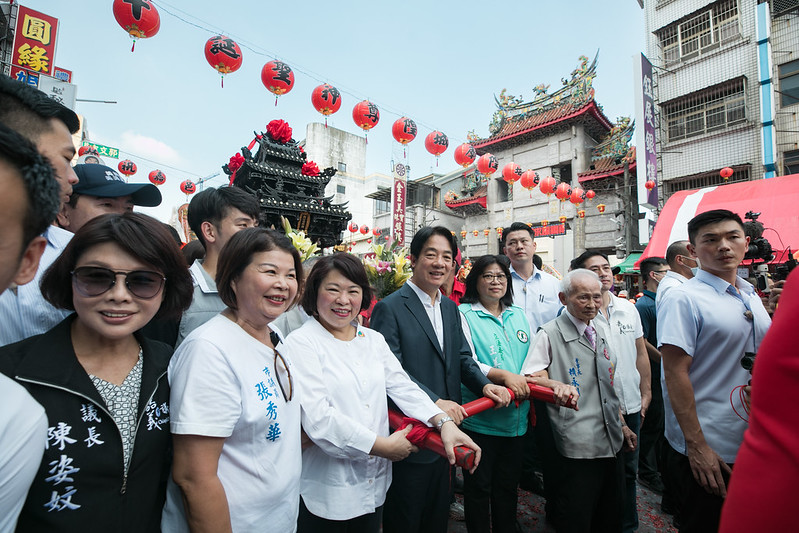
x=105, y=182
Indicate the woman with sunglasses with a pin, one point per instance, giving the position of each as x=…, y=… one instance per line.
x=235, y=417
x=102, y=384
x=500, y=337
x=344, y=373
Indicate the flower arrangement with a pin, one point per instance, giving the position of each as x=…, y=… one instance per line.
x=389, y=269
x=279, y=131
x=310, y=168
x=300, y=241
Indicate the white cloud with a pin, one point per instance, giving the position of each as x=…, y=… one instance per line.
x=151, y=148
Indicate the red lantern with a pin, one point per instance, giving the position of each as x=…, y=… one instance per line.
x=353, y=227
x=544, y=222
x=369, y=240
x=140, y=19
x=548, y=185
x=157, y=177
x=601, y=208
x=127, y=167
x=90, y=150
x=376, y=232
x=404, y=130
x=223, y=54
x=726, y=172
x=511, y=172
x=487, y=164
x=278, y=78
x=499, y=231
x=465, y=154
x=463, y=235
x=562, y=219
x=581, y=213
x=563, y=191
x=650, y=184
x=188, y=187
x=326, y=99
x=577, y=196
x=366, y=115
x=590, y=194
x=364, y=229
x=476, y=233
x=529, y=181
x=436, y=143
x=486, y=231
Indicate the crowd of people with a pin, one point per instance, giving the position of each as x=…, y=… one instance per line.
x=148, y=390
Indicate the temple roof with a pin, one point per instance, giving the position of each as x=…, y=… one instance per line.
x=609, y=157
x=473, y=204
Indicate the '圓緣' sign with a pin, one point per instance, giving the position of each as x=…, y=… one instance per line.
x=34, y=41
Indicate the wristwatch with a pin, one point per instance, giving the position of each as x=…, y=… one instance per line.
x=443, y=420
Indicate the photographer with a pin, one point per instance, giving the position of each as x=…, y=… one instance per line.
x=705, y=326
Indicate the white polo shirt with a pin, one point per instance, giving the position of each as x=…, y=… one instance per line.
x=708, y=318
x=621, y=331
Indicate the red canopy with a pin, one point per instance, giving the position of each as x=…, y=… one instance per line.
x=777, y=199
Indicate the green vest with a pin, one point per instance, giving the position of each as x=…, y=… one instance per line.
x=499, y=344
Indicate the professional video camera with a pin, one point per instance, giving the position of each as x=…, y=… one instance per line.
x=759, y=247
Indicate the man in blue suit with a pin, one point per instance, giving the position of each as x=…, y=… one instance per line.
x=424, y=332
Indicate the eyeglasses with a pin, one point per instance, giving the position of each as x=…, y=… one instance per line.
x=660, y=272
x=491, y=277
x=94, y=281
x=283, y=377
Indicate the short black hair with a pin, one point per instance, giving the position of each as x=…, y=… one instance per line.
x=349, y=266
x=580, y=260
x=141, y=236
x=237, y=254
x=650, y=264
x=213, y=204
x=516, y=226
x=710, y=217
x=42, y=191
x=424, y=234
x=538, y=262
x=470, y=294
x=676, y=248
x=28, y=110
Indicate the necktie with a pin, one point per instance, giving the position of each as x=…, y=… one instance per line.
x=590, y=332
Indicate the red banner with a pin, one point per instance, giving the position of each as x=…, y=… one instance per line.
x=34, y=41
x=550, y=230
x=398, y=195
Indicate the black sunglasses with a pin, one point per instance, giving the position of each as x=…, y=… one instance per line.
x=94, y=281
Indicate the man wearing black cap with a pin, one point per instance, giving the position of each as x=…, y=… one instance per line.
x=101, y=190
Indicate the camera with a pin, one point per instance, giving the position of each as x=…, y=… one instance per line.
x=748, y=361
x=759, y=247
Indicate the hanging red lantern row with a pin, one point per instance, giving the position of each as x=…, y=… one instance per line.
x=157, y=177
x=326, y=99
x=487, y=164
x=649, y=185
x=278, y=78
x=366, y=115
x=223, y=54
x=726, y=172
x=547, y=185
x=512, y=173
x=563, y=191
x=127, y=167
x=140, y=19
x=188, y=187
x=578, y=195
x=529, y=180
x=436, y=143
x=465, y=154
x=404, y=131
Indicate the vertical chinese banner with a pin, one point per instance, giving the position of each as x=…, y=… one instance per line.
x=646, y=154
x=398, y=195
x=34, y=41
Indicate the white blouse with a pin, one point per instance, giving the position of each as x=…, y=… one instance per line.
x=343, y=387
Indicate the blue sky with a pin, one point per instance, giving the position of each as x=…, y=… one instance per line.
x=440, y=63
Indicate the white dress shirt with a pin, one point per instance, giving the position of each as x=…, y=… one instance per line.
x=540, y=355
x=670, y=280
x=433, y=310
x=344, y=409
x=537, y=295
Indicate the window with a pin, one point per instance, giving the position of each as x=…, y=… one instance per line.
x=705, y=180
x=502, y=190
x=781, y=7
x=791, y=162
x=341, y=189
x=342, y=167
x=789, y=83
x=382, y=207
x=700, y=33
x=706, y=111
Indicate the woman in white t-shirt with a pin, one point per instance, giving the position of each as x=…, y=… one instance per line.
x=235, y=416
x=344, y=372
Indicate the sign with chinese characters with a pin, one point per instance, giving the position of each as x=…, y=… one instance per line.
x=34, y=41
x=398, y=196
x=25, y=76
x=63, y=93
x=104, y=150
x=646, y=155
x=550, y=230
